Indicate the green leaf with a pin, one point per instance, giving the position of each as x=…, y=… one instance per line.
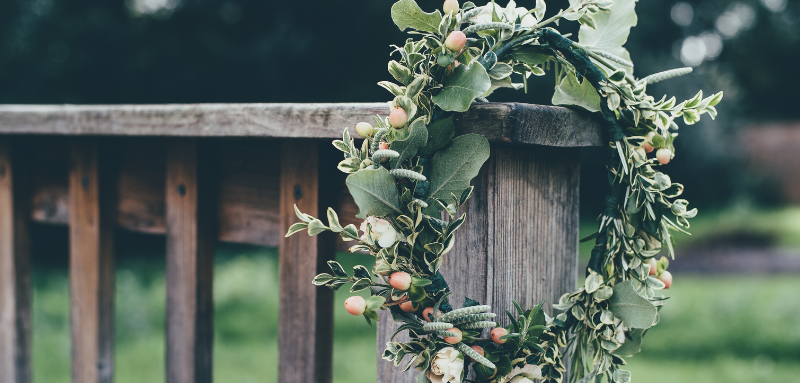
x=300, y=226
x=453, y=168
x=622, y=376
x=374, y=192
x=375, y=302
x=571, y=92
x=417, y=136
x=316, y=226
x=531, y=55
x=611, y=29
x=322, y=279
x=633, y=343
x=407, y=14
x=628, y=305
x=440, y=133
x=360, y=272
x=461, y=87
x=361, y=284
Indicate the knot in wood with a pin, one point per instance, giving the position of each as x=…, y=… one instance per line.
x=297, y=192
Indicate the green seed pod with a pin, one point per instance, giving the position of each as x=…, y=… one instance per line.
x=384, y=153
x=436, y=326
x=474, y=318
x=468, y=351
x=446, y=334
x=405, y=173
x=478, y=325
x=463, y=311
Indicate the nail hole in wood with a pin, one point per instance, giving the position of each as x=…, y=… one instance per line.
x=85, y=183
x=182, y=190
x=298, y=192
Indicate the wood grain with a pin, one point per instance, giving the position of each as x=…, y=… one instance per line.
x=500, y=122
x=15, y=273
x=91, y=264
x=190, y=261
x=306, y=312
x=520, y=241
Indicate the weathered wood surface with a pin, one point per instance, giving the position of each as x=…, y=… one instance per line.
x=91, y=264
x=305, y=336
x=190, y=203
x=500, y=122
x=521, y=239
x=15, y=273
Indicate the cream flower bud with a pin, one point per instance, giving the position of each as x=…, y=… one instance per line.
x=380, y=231
x=447, y=366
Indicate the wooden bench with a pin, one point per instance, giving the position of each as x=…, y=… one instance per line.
x=232, y=172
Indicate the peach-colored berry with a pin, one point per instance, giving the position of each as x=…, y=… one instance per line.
x=454, y=339
x=665, y=277
x=653, y=266
x=428, y=312
x=355, y=305
x=400, y=280
x=383, y=145
x=398, y=117
x=498, y=333
x=647, y=147
x=408, y=307
x=455, y=41
x=664, y=155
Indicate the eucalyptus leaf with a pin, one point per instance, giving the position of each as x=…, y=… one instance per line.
x=453, y=168
x=611, y=29
x=417, y=137
x=634, y=310
x=461, y=87
x=407, y=14
x=440, y=133
x=574, y=93
x=374, y=192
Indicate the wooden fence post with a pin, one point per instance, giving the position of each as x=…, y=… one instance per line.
x=306, y=311
x=520, y=241
x=91, y=223
x=15, y=273
x=190, y=210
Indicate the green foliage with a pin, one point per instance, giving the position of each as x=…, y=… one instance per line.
x=407, y=147
x=466, y=83
x=571, y=92
x=628, y=305
x=406, y=14
x=454, y=167
x=374, y=192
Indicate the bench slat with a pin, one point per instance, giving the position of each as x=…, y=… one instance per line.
x=190, y=262
x=15, y=273
x=91, y=264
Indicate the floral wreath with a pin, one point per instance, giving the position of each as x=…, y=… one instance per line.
x=410, y=172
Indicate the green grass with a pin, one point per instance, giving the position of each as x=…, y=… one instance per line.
x=716, y=329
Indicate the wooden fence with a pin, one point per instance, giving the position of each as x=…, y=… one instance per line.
x=231, y=172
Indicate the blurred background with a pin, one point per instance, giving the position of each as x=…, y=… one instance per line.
x=736, y=308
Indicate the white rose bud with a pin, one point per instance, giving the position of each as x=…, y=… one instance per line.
x=380, y=230
x=447, y=366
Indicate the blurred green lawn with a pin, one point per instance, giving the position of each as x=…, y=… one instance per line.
x=717, y=329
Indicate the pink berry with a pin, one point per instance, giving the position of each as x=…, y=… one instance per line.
x=427, y=313
x=363, y=129
x=665, y=277
x=653, y=266
x=455, y=41
x=454, y=339
x=383, y=145
x=400, y=280
x=647, y=147
x=450, y=6
x=479, y=350
x=398, y=118
x=498, y=333
x=355, y=305
x=664, y=155
x=408, y=307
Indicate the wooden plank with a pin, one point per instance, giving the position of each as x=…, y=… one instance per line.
x=91, y=264
x=521, y=239
x=306, y=312
x=15, y=273
x=500, y=122
x=190, y=262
